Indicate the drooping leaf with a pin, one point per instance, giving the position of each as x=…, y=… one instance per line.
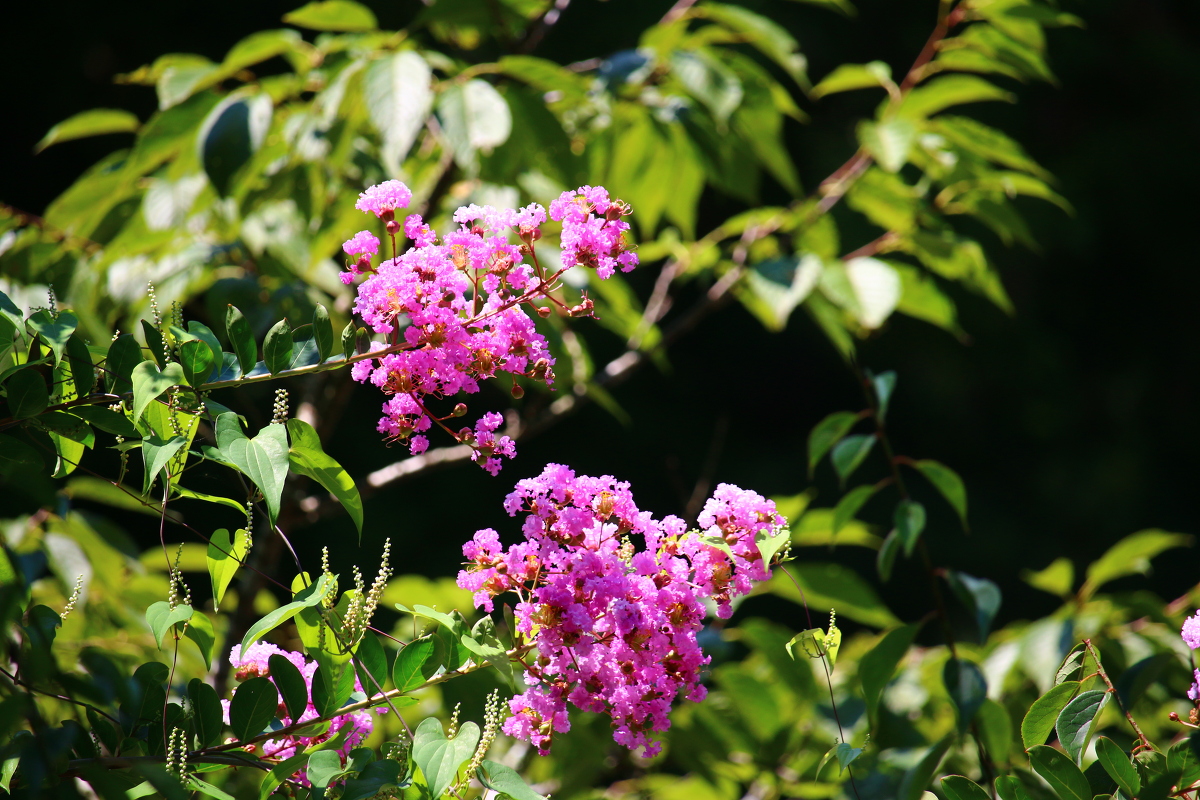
x=344, y=16
x=438, y=757
x=849, y=77
x=980, y=596
x=1130, y=556
x=53, y=331
x=505, y=780
x=946, y=481
x=967, y=688
x=309, y=596
x=1074, y=723
x=909, y=520
x=161, y=618
x=254, y=704
x=1060, y=772
x=149, y=383
x=826, y=434
x=156, y=453
x=290, y=684
x=201, y=631
x=264, y=459
x=307, y=457
x=846, y=754
x=95, y=122
x=225, y=555
x=849, y=453
x=879, y=664
x=1040, y=718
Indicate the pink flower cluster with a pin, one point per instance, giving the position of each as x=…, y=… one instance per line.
x=1191, y=636
x=255, y=663
x=593, y=233
x=614, y=626
x=453, y=311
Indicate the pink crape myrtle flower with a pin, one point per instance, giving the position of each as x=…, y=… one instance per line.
x=255, y=663
x=383, y=199
x=360, y=247
x=1191, y=631
x=615, y=626
x=593, y=233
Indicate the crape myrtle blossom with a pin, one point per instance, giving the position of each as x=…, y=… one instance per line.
x=615, y=626
x=1191, y=636
x=255, y=663
x=454, y=310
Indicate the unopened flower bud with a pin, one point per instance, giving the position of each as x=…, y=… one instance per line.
x=543, y=311
x=393, y=227
x=363, y=265
x=517, y=391
x=460, y=409
x=387, y=215
x=466, y=436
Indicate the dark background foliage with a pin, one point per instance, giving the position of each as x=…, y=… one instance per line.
x=1073, y=422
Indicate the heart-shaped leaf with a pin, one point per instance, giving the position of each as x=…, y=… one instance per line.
x=161, y=617
x=225, y=555
x=505, y=780
x=149, y=382
x=155, y=454
x=264, y=459
x=54, y=331
x=438, y=757
x=200, y=630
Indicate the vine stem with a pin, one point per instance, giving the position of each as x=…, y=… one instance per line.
x=1144, y=743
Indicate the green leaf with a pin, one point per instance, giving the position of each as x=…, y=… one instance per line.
x=241, y=339
x=233, y=131
x=373, y=780
x=54, y=331
x=474, y=116
x=323, y=767
x=107, y=420
x=957, y=787
x=769, y=543
x=967, y=688
x=1074, y=724
x=1130, y=556
x=206, y=712
x=826, y=434
x=438, y=757
x=1060, y=772
x=224, y=557
x=123, y=355
x=149, y=383
x=912, y=786
x=849, y=77
x=398, y=93
x=371, y=663
x=264, y=459
x=415, y=664
x=879, y=664
x=849, y=453
x=888, y=142
x=833, y=586
x=200, y=630
x=290, y=684
x=846, y=754
x=258, y=47
x=253, y=705
x=161, y=618
x=197, y=361
x=333, y=15
x=284, y=770
x=946, y=481
x=277, y=347
x=980, y=596
x=883, y=385
x=1117, y=764
x=1057, y=578
x=305, y=598
x=306, y=457
x=950, y=90
x=909, y=520
x=322, y=332
x=16, y=455
x=505, y=780
x=771, y=39
x=995, y=730
x=1009, y=788
x=850, y=503
x=1039, y=719
x=331, y=688
x=27, y=394
x=155, y=343
x=349, y=334
x=155, y=454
